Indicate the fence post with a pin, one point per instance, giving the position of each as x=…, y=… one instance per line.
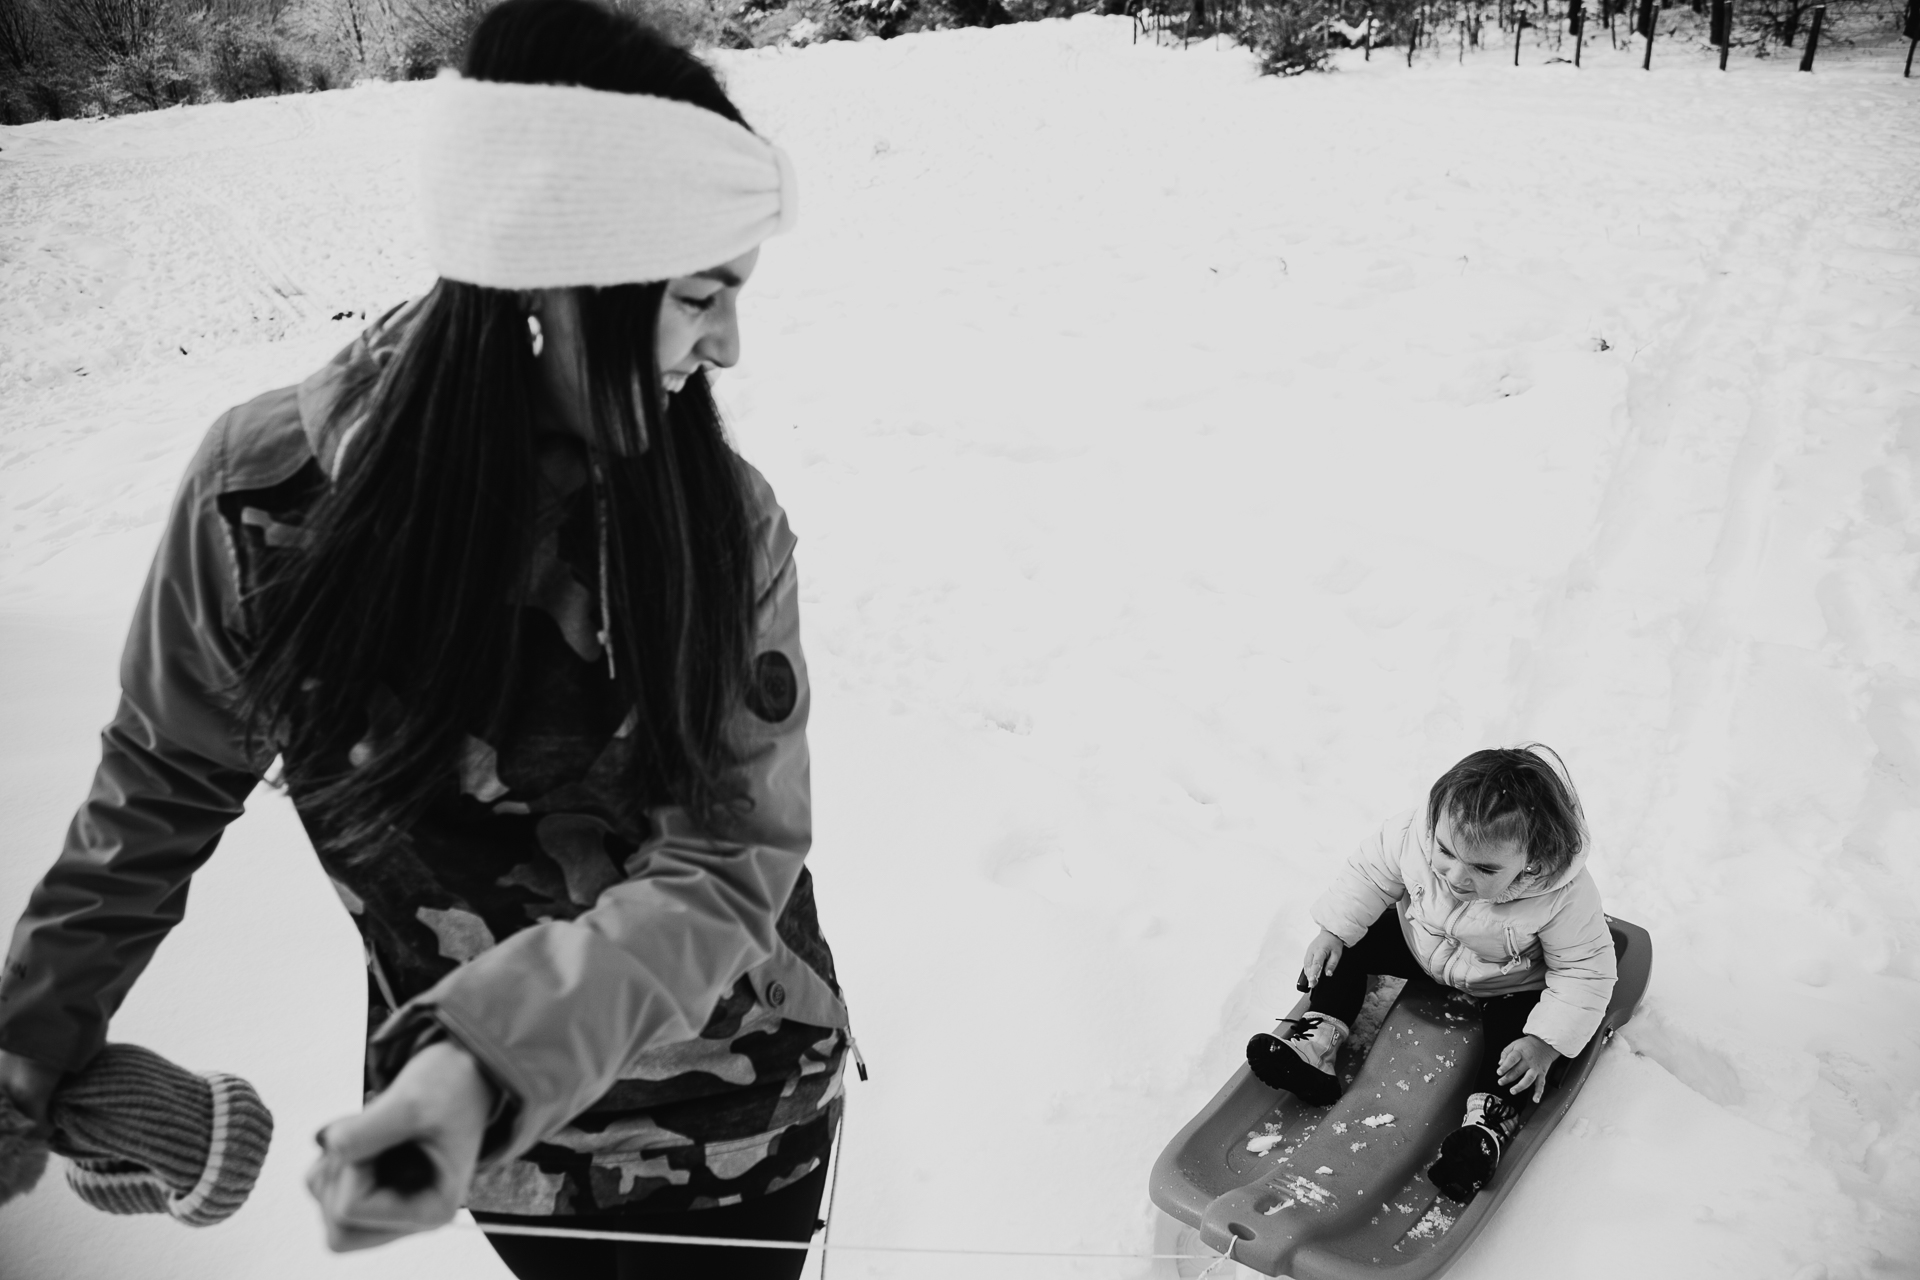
x=1813, y=38
x=1649, y=17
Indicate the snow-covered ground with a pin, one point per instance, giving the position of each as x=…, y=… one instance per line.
x=1188, y=468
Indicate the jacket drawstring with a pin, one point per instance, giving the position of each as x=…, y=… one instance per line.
x=605, y=635
x=859, y=1063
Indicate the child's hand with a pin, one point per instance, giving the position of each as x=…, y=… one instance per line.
x=1525, y=1062
x=1323, y=957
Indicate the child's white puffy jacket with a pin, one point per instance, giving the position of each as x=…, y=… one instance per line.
x=1549, y=934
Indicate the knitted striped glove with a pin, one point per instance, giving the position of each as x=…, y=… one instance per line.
x=146, y=1136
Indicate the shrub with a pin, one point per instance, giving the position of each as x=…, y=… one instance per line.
x=25, y=98
x=436, y=33
x=422, y=59
x=52, y=98
x=248, y=62
x=884, y=18
x=1036, y=10
x=155, y=77
x=966, y=13
x=1288, y=38
x=696, y=23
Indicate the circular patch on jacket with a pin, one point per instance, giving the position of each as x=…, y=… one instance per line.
x=774, y=689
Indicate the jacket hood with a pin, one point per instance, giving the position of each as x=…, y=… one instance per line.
x=1525, y=886
x=330, y=399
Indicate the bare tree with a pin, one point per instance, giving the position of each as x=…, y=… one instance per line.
x=108, y=29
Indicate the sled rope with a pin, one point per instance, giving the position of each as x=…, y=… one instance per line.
x=833, y=1188
x=827, y=1246
x=723, y=1242
x=1215, y=1264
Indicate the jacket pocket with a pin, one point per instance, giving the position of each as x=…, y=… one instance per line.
x=1521, y=951
x=1515, y=959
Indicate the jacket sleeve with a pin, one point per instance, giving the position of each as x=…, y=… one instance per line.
x=1369, y=883
x=555, y=1011
x=1578, y=948
x=173, y=773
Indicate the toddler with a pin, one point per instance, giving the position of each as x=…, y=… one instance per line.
x=1485, y=891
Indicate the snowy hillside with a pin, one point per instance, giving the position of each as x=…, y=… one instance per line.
x=1188, y=468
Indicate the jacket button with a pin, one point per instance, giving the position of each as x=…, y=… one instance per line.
x=776, y=994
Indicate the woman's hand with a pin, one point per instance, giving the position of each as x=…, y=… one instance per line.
x=1323, y=957
x=28, y=1085
x=440, y=1101
x=1525, y=1062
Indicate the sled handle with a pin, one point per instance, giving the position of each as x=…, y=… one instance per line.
x=405, y=1168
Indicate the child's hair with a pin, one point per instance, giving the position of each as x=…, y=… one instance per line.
x=1514, y=793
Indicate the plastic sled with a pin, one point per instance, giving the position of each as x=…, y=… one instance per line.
x=1341, y=1193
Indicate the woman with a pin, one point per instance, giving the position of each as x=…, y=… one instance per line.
x=522, y=630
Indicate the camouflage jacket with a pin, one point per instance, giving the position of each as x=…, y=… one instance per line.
x=656, y=1002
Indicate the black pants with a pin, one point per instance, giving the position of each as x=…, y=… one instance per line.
x=1503, y=1019
x=791, y=1213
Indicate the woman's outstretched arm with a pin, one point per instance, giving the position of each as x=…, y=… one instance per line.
x=173, y=773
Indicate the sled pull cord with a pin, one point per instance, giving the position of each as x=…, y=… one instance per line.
x=726, y=1242
x=1213, y=1266
x=836, y=1155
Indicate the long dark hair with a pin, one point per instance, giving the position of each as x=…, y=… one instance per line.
x=1513, y=793
x=393, y=636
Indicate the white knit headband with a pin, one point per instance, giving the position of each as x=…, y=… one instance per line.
x=534, y=186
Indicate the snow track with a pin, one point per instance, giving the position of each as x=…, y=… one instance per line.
x=1188, y=467
x=1717, y=602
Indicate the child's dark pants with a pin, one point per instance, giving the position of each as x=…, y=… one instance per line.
x=1340, y=994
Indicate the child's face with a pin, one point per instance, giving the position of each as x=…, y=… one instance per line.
x=1484, y=870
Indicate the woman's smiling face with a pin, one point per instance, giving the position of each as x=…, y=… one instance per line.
x=698, y=328
x=1483, y=870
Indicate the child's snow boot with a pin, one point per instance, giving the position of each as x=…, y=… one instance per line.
x=1301, y=1062
x=1470, y=1153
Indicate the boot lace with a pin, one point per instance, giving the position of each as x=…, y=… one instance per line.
x=1494, y=1113
x=1303, y=1026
